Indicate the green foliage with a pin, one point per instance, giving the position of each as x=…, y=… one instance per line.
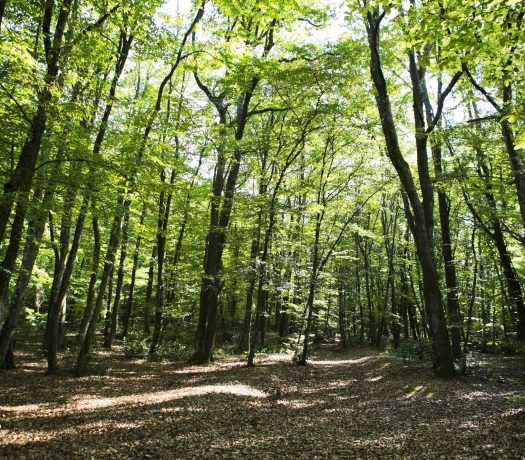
x=34, y=319
x=137, y=347
x=312, y=160
x=172, y=351
x=511, y=346
x=414, y=351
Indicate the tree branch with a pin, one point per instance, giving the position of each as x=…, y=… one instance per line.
x=441, y=101
x=268, y=109
x=482, y=90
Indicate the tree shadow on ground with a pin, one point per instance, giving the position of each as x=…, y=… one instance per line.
x=352, y=404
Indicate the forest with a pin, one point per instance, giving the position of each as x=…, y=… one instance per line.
x=260, y=188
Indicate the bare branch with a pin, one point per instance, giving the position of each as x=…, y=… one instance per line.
x=268, y=109
x=482, y=90
x=441, y=101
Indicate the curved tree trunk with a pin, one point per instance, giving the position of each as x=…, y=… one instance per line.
x=421, y=218
x=35, y=230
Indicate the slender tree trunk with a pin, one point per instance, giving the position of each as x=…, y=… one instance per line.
x=472, y=298
x=88, y=311
x=109, y=302
x=8, y=263
x=108, y=342
x=62, y=250
x=315, y=267
x=149, y=290
x=513, y=284
x=370, y=306
x=172, y=288
x=51, y=340
x=22, y=177
x=342, y=316
x=453, y=309
x=85, y=346
x=164, y=212
x=55, y=307
x=252, y=278
x=2, y=10
x=309, y=321
x=130, y=302
x=515, y=159
x=35, y=231
x=495, y=233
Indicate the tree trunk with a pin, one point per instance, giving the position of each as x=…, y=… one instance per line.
x=2, y=10
x=245, y=334
x=85, y=346
x=342, y=316
x=62, y=250
x=108, y=342
x=88, y=311
x=130, y=302
x=35, y=230
x=421, y=219
x=453, y=309
x=22, y=177
x=149, y=290
x=495, y=233
x=162, y=226
x=55, y=306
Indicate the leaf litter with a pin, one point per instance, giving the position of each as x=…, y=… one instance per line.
x=357, y=403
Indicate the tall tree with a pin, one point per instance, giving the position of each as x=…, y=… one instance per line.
x=421, y=209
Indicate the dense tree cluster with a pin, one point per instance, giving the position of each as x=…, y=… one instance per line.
x=174, y=171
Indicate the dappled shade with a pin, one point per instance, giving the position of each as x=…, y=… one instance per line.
x=358, y=403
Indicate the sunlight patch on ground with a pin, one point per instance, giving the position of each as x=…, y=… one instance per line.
x=298, y=403
x=276, y=357
x=342, y=383
x=477, y=396
x=93, y=402
x=169, y=395
x=20, y=438
x=333, y=362
x=26, y=408
x=415, y=391
x=469, y=425
x=208, y=368
x=383, y=441
x=513, y=412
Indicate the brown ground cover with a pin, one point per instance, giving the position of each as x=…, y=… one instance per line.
x=350, y=404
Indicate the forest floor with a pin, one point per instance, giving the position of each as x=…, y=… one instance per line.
x=357, y=403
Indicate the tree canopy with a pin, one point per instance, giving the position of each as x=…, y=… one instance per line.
x=188, y=175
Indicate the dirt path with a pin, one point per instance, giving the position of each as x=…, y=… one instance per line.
x=355, y=404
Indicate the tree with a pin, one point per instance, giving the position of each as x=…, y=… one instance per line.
x=420, y=210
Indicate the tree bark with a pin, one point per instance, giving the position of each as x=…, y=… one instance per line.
x=2, y=11
x=108, y=342
x=85, y=346
x=54, y=307
x=35, y=230
x=126, y=318
x=162, y=226
x=421, y=220
x=453, y=308
x=22, y=177
x=88, y=311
